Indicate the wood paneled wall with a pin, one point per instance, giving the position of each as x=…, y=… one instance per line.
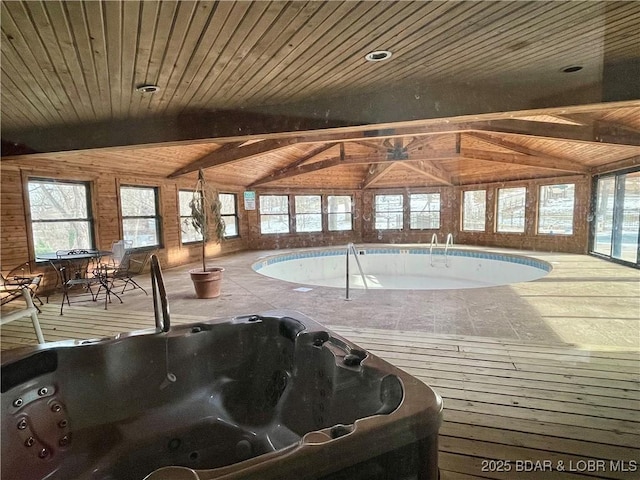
x=16, y=245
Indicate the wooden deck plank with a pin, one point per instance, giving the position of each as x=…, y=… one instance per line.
x=503, y=400
x=615, y=396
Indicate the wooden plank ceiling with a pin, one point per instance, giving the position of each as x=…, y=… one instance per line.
x=78, y=63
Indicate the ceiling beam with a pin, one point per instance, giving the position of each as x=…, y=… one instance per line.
x=372, y=145
x=224, y=156
x=293, y=166
x=427, y=169
x=515, y=147
x=629, y=162
x=596, y=133
x=375, y=173
x=524, y=160
x=293, y=171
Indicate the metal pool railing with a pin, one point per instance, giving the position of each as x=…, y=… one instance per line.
x=352, y=249
x=434, y=243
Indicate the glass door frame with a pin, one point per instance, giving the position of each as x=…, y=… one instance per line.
x=617, y=176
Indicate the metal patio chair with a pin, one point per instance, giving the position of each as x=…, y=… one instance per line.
x=81, y=279
x=131, y=265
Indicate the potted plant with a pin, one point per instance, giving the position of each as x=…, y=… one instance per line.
x=206, y=218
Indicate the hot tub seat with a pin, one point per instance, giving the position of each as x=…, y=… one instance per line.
x=270, y=396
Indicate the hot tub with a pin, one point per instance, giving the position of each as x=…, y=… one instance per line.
x=271, y=396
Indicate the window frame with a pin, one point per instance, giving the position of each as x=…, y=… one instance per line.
x=181, y=218
x=234, y=215
x=157, y=217
x=463, y=216
x=288, y=214
x=90, y=219
x=439, y=211
x=375, y=212
x=330, y=214
x=296, y=215
x=539, y=210
x=524, y=211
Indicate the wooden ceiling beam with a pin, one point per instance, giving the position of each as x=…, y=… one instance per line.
x=293, y=171
x=551, y=163
x=597, y=133
x=629, y=162
x=517, y=148
x=293, y=166
x=427, y=169
x=372, y=145
x=375, y=173
x=233, y=153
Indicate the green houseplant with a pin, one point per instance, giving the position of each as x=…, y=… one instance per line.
x=206, y=219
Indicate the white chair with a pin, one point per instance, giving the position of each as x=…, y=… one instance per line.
x=30, y=311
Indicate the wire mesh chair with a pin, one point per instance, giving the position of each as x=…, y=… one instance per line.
x=132, y=264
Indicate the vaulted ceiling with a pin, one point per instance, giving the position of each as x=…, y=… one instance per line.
x=279, y=94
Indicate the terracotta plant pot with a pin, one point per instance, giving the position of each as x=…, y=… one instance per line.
x=208, y=283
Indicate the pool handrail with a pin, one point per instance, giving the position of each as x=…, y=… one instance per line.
x=434, y=241
x=448, y=243
x=160, y=302
x=351, y=248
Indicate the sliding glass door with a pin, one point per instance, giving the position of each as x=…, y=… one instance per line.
x=616, y=230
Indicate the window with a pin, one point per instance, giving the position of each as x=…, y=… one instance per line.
x=340, y=216
x=424, y=210
x=229, y=211
x=388, y=212
x=555, y=209
x=188, y=233
x=60, y=215
x=474, y=210
x=274, y=214
x=308, y=213
x=511, y=203
x=140, y=219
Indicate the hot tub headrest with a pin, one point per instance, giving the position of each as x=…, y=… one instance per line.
x=23, y=370
x=290, y=328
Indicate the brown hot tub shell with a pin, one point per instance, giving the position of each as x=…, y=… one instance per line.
x=270, y=396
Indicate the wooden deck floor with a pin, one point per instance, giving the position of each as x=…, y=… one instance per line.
x=505, y=403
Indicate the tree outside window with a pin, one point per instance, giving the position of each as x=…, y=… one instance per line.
x=511, y=209
x=188, y=233
x=424, y=211
x=60, y=215
x=229, y=213
x=555, y=209
x=339, y=213
x=474, y=210
x=140, y=219
x=389, y=212
x=308, y=213
x=274, y=214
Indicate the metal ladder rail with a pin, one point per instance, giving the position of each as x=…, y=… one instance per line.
x=434, y=241
x=448, y=243
x=352, y=249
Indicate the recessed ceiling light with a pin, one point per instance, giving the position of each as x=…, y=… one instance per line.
x=572, y=68
x=147, y=88
x=378, y=56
